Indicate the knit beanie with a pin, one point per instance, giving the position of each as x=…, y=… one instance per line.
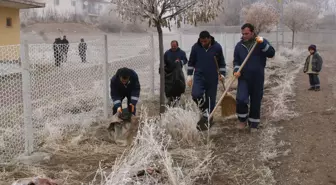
x=313, y=47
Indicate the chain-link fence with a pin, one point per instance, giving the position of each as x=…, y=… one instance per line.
x=56, y=89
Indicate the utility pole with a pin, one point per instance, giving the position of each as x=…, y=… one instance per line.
x=282, y=22
x=277, y=29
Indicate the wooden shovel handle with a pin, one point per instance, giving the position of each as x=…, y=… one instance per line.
x=219, y=72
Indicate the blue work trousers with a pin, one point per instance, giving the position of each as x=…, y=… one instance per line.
x=249, y=91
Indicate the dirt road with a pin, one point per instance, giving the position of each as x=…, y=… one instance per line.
x=312, y=135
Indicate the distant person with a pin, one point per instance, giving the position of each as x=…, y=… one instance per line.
x=65, y=49
x=82, y=47
x=125, y=84
x=312, y=67
x=175, y=85
x=57, y=51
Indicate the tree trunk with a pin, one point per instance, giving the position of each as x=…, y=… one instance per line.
x=162, y=74
x=293, y=39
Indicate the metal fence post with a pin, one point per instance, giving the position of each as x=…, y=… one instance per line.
x=225, y=44
x=221, y=41
x=152, y=65
x=106, y=96
x=181, y=40
x=181, y=44
x=27, y=102
x=221, y=38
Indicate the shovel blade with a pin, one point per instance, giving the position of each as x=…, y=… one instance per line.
x=228, y=106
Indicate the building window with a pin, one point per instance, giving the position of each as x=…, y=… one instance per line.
x=56, y=2
x=9, y=22
x=73, y=3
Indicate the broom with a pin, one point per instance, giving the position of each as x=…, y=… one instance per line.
x=202, y=122
x=228, y=104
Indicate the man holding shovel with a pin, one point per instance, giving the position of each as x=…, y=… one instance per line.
x=251, y=78
x=202, y=64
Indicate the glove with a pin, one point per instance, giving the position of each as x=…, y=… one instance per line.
x=221, y=78
x=259, y=39
x=132, y=107
x=119, y=110
x=236, y=74
x=189, y=80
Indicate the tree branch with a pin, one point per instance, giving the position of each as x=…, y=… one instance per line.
x=179, y=11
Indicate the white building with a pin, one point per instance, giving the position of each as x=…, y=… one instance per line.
x=71, y=7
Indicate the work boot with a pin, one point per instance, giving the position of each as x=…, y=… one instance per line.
x=317, y=88
x=203, y=124
x=311, y=89
x=254, y=128
x=254, y=131
x=241, y=125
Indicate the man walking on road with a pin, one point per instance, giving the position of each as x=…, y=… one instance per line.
x=82, y=47
x=205, y=80
x=251, y=78
x=65, y=49
x=57, y=51
x=174, y=60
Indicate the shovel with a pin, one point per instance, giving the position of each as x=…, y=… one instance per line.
x=228, y=104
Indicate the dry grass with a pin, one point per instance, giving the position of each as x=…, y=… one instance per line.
x=281, y=75
x=152, y=150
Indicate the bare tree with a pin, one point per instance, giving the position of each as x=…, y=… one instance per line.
x=230, y=15
x=165, y=13
x=262, y=15
x=318, y=5
x=299, y=16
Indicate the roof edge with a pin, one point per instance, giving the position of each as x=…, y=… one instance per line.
x=30, y=3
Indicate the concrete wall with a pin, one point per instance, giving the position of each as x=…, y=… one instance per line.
x=9, y=35
x=68, y=7
x=62, y=7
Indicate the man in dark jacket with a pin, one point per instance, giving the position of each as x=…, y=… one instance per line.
x=57, y=51
x=125, y=84
x=312, y=67
x=205, y=80
x=82, y=47
x=174, y=59
x=65, y=49
x=251, y=78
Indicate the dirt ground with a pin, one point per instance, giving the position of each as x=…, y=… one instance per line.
x=312, y=135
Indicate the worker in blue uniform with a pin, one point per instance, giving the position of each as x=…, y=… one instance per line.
x=174, y=60
x=251, y=78
x=205, y=77
x=125, y=84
